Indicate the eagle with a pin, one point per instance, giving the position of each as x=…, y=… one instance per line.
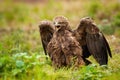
x=63, y=48
x=66, y=46
x=93, y=41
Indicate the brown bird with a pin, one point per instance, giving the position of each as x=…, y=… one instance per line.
x=46, y=29
x=92, y=41
x=64, y=49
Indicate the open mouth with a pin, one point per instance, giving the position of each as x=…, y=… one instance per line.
x=58, y=26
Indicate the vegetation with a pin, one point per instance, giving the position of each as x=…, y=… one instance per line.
x=21, y=53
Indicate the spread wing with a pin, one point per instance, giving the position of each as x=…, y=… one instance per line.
x=92, y=41
x=80, y=35
x=46, y=29
x=97, y=44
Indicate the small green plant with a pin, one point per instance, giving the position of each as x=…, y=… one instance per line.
x=116, y=20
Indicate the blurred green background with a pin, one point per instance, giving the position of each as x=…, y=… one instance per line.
x=21, y=52
x=25, y=13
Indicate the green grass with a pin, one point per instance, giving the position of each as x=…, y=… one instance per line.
x=21, y=53
x=23, y=66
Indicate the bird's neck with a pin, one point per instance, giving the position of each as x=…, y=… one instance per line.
x=60, y=32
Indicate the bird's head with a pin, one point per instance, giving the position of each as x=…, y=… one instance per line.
x=61, y=23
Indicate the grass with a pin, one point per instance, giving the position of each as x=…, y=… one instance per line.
x=21, y=53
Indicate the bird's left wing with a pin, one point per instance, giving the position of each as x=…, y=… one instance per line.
x=97, y=44
x=80, y=34
x=92, y=41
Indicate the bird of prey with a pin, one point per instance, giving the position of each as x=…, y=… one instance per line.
x=63, y=48
x=92, y=41
x=46, y=29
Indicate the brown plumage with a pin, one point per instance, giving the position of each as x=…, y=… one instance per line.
x=64, y=50
x=92, y=41
x=80, y=35
x=46, y=29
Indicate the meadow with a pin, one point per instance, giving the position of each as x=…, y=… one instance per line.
x=21, y=53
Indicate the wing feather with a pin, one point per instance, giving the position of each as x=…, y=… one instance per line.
x=97, y=44
x=97, y=48
x=108, y=47
x=46, y=29
x=92, y=41
x=80, y=35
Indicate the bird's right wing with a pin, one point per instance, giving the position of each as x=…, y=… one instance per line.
x=46, y=29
